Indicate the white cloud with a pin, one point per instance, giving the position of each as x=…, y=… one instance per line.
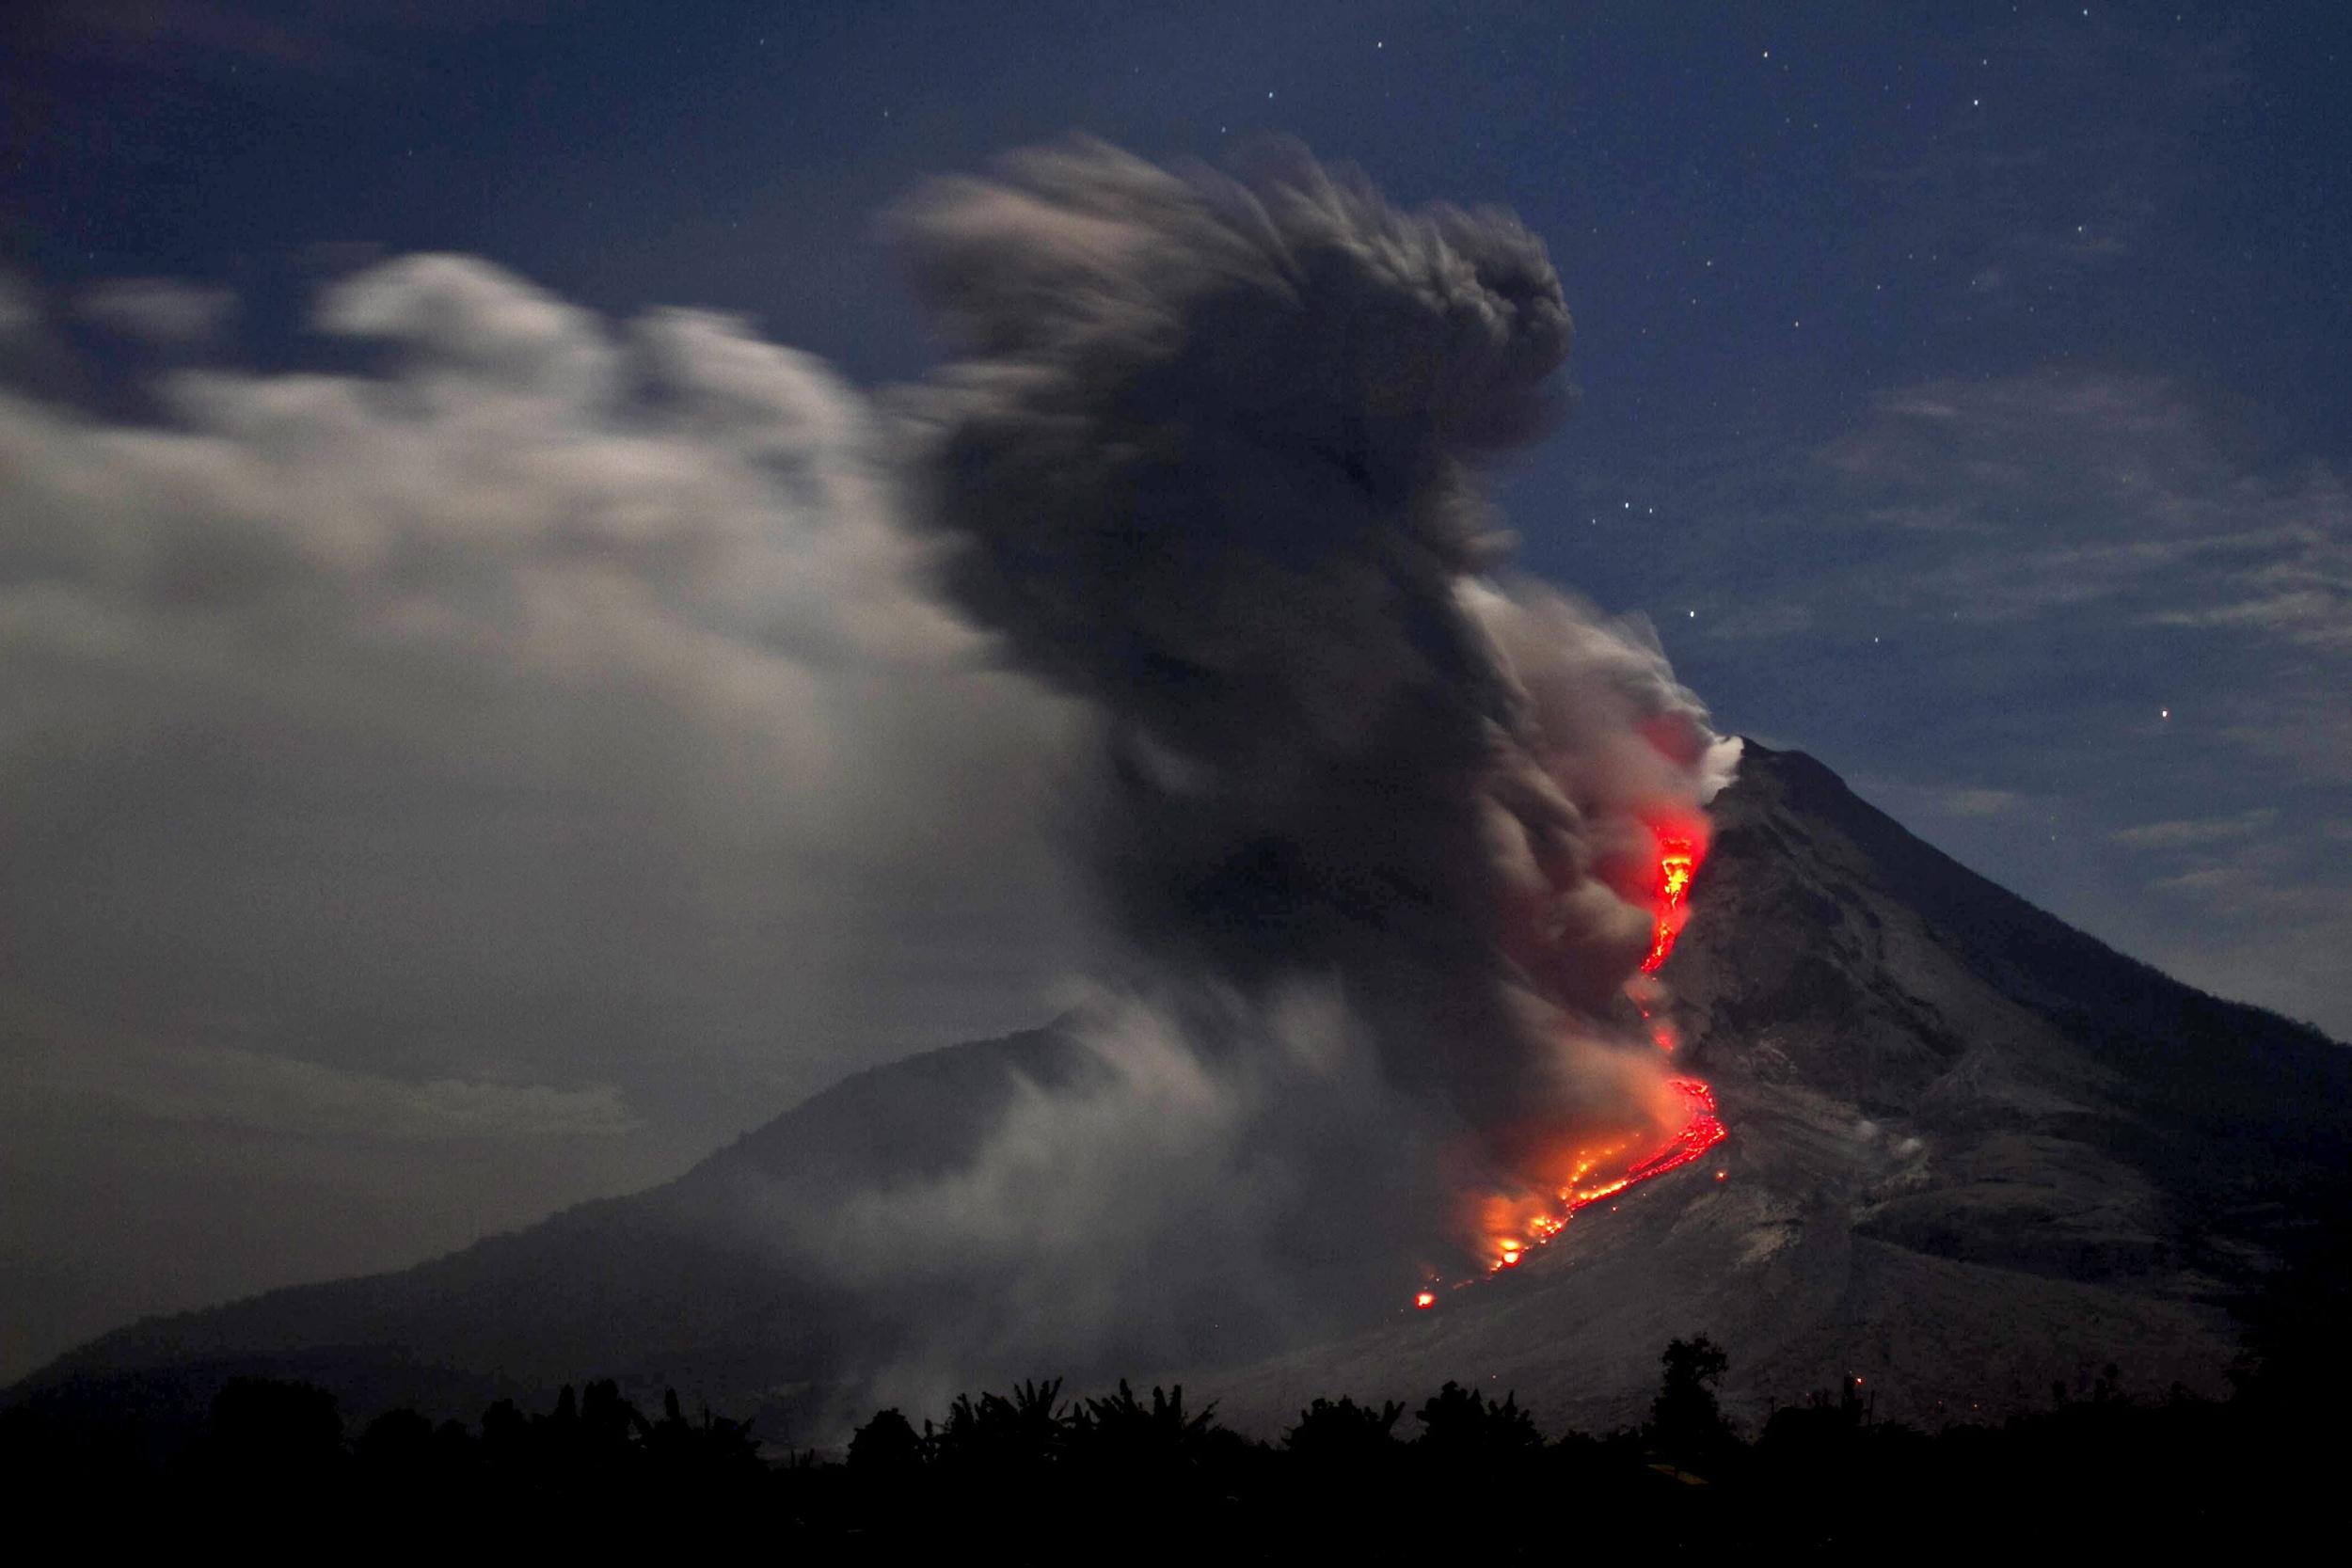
x=496, y=775
x=19, y=314
x=2187, y=832
x=1979, y=803
x=2042, y=495
x=247, y=1092
x=554, y=698
x=159, y=310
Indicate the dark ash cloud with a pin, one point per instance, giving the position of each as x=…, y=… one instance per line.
x=1208, y=463
x=1376, y=825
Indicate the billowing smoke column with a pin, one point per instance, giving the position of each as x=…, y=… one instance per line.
x=1207, y=463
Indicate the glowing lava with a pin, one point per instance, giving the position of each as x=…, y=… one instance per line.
x=1512, y=1224
x=1676, y=860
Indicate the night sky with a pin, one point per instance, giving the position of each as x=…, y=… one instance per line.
x=1958, y=393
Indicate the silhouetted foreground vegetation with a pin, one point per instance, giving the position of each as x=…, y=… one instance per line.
x=1030, y=1475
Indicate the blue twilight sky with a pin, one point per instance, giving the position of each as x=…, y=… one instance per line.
x=1960, y=395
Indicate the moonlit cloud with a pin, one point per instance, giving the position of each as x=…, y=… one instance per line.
x=2182, y=833
x=1979, y=803
x=546, y=731
x=19, y=314
x=249, y=1092
x=159, y=310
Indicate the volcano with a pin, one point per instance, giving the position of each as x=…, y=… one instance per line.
x=1966, y=1153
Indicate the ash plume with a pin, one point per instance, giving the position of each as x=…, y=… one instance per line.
x=1209, y=464
x=613, y=677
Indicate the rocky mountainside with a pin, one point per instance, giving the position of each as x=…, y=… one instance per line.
x=1971, y=1152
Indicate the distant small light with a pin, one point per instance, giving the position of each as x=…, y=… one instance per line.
x=2163, y=713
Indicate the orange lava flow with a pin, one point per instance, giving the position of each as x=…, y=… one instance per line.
x=1515, y=1227
x=1676, y=860
x=1515, y=1224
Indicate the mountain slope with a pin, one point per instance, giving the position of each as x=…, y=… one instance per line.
x=657, y=1289
x=1972, y=1152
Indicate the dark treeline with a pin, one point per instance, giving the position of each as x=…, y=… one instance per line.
x=1030, y=1475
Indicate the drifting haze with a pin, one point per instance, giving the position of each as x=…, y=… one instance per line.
x=437, y=791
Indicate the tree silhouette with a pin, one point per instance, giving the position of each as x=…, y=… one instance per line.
x=1458, y=1422
x=1120, y=1429
x=707, y=1452
x=1344, y=1433
x=608, y=1423
x=506, y=1441
x=886, y=1446
x=1686, y=1425
x=265, y=1433
x=398, y=1443
x=1827, y=1477
x=1023, y=1431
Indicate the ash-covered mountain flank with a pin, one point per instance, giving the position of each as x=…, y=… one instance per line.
x=1971, y=1153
